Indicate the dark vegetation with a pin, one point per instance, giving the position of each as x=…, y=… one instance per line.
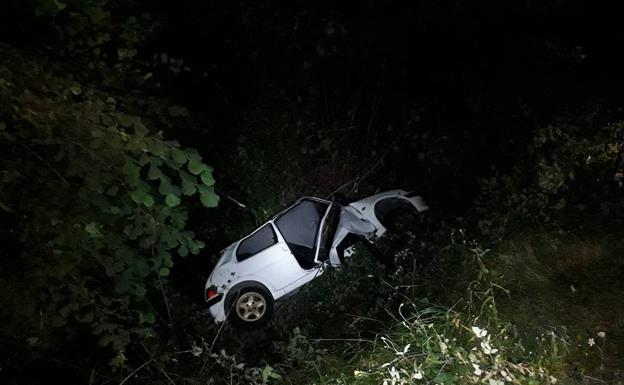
x=139, y=138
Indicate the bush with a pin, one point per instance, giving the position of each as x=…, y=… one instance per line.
x=94, y=249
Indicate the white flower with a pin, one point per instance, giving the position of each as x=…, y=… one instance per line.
x=443, y=347
x=480, y=333
x=591, y=342
x=495, y=382
x=196, y=351
x=602, y=335
x=553, y=380
x=405, y=350
x=418, y=375
x=487, y=349
x=394, y=373
x=477, y=369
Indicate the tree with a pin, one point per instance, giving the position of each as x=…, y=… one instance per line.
x=94, y=200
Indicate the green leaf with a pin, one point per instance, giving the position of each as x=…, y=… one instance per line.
x=165, y=187
x=131, y=170
x=158, y=148
x=150, y=318
x=148, y=200
x=153, y=172
x=172, y=200
x=163, y=272
x=196, y=166
x=91, y=228
x=137, y=196
x=144, y=159
x=60, y=5
x=175, y=190
x=193, y=154
x=188, y=188
x=268, y=373
x=187, y=177
x=126, y=120
x=183, y=251
x=178, y=155
x=209, y=199
x=445, y=378
x=207, y=178
x=140, y=129
x=76, y=89
x=140, y=291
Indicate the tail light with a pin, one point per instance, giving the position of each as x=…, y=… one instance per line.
x=211, y=293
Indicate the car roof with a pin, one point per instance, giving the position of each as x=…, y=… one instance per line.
x=274, y=217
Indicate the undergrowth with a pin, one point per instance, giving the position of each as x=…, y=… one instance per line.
x=465, y=343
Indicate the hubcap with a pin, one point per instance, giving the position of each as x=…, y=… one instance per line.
x=250, y=306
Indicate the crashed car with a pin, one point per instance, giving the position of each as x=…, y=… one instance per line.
x=293, y=248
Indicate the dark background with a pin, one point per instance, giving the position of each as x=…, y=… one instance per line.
x=482, y=73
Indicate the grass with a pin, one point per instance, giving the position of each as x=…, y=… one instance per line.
x=550, y=302
x=573, y=283
x=540, y=295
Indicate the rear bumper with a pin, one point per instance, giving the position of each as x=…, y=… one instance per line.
x=215, y=303
x=214, y=300
x=216, y=308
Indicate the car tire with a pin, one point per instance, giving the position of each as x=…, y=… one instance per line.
x=249, y=305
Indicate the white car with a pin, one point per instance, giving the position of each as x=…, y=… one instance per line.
x=292, y=248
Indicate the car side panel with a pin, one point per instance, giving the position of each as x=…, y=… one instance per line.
x=365, y=208
x=276, y=264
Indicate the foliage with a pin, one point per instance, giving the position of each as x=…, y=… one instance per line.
x=467, y=342
x=105, y=32
x=96, y=246
x=445, y=347
x=552, y=276
x=566, y=175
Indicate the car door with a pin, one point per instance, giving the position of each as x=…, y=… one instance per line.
x=263, y=256
x=300, y=226
x=327, y=232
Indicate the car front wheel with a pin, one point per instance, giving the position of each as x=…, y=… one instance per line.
x=250, y=306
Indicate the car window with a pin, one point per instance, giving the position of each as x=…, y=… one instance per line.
x=299, y=227
x=260, y=240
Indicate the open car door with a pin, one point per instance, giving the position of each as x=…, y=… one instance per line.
x=301, y=227
x=326, y=232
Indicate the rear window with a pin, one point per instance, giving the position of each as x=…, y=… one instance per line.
x=260, y=240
